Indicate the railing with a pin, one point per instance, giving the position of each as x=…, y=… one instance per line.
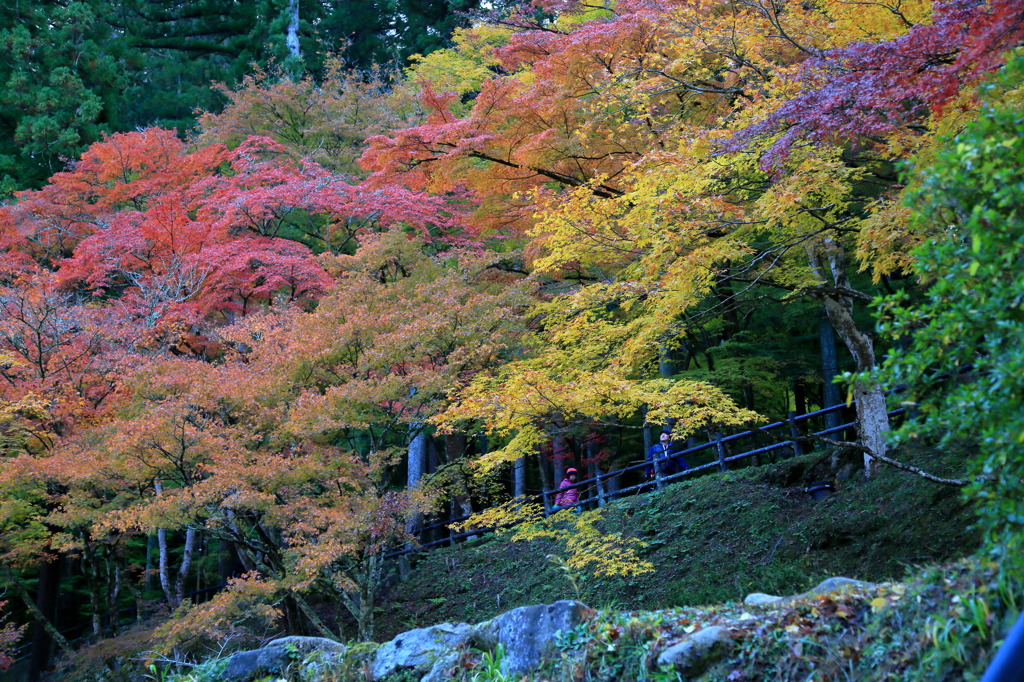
x=795, y=441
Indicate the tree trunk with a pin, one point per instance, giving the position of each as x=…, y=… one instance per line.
x=92, y=571
x=43, y=611
x=595, y=474
x=872, y=416
x=417, y=456
x=226, y=559
x=292, y=38
x=648, y=432
x=113, y=593
x=151, y=581
x=367, y=597
x=666, y=367
x=455, y=446
x=186, y=565
x=314, y=619
x=519, y=477
x=360, y=603
x=545, y=485
x=559, y=450
x=414, y=472
x=799, y=396
x=830, y=394
x=164, y=571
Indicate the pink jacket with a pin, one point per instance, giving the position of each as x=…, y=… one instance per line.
x=567, y=498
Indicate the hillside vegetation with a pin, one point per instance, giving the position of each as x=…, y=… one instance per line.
x=712, y=540
x=239, y=366
x=921, y=611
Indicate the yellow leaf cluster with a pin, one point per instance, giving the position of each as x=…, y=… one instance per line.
x=586, y=547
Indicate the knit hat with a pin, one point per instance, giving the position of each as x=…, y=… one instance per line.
x=570, y=471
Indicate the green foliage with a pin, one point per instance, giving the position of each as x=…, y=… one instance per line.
x=208, y=671
x=964, y=365
x=489, y=668
x=613, y=646
x=60, y=74
x=943, y=624
x=71, y=72
x=384, y=30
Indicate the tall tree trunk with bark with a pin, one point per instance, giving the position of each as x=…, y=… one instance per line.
x=545, y=483
x=186, y=565
x=830, y=393
x=43, y=611
x=163, y=569
x=559, y=453
x=872, y=414
x=519, y=477
x=292, y=38
x=360, y=602
x=417, y=456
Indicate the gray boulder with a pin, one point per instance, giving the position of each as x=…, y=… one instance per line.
x=528, y=633
x=418, y=650
x=277, y=655
x=442, y=669
x=308, y=644
x=837, y=584
x=248, y=665
x=827, y=586
x=697, y=651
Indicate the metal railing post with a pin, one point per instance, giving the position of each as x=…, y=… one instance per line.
x=794, y=433
x=599, y=484
x=720, y=447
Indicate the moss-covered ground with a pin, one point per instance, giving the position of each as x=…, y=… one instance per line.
x=712, y=540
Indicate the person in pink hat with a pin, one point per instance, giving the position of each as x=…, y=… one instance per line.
x=567, y=496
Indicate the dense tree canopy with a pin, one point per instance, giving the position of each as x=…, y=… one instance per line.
x=356, y=293
x=74, y=69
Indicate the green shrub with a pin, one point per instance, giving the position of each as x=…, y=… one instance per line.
x=964, y=366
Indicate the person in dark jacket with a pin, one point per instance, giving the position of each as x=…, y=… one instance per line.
x=570, y=497
x=664, y=451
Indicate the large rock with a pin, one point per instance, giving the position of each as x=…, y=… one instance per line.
x=837, y=584
x=308, y=644
x=696, y=652
x=443, y=668
x=277, y=655
x=528, y=633
x=248, y=665
x=418, y=650
x=827, y=586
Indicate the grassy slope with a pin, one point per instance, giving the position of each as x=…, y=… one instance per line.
x=713, y=540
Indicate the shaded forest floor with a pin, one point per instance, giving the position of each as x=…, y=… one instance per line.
x=712, y=540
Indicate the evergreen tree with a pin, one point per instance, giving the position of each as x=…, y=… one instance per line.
x=72, y=70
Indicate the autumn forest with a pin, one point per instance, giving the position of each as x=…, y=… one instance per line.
x=280, y=280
